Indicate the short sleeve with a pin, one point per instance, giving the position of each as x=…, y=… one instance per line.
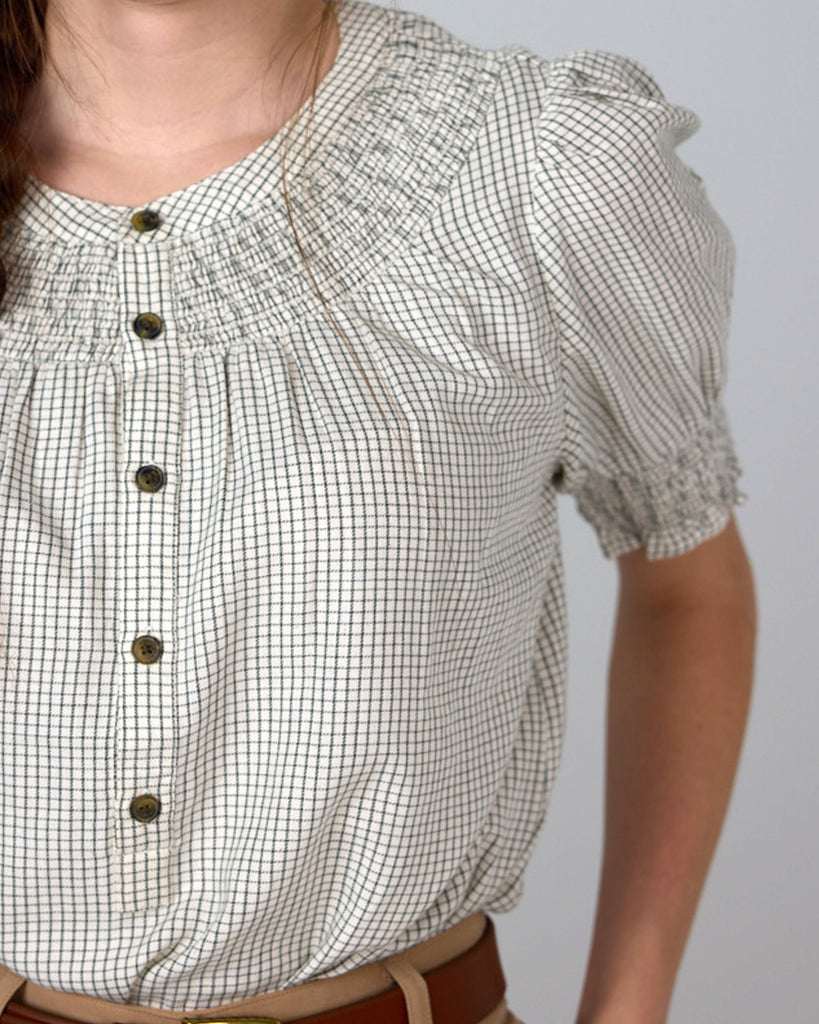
x=638, y=269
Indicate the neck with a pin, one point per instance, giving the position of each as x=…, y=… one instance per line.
x=170, y=79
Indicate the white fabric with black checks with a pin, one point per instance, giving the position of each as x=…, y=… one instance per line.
x=355, y=722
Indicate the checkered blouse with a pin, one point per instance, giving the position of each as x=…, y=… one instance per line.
x=282, y=618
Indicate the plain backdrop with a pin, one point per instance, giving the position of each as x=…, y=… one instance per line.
x=748, y=71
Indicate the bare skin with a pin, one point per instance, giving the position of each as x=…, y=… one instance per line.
x=154, y=95
x=680, y=681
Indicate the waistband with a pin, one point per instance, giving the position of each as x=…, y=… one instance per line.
x=313, y=997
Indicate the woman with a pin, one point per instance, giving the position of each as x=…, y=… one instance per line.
x=287, y=392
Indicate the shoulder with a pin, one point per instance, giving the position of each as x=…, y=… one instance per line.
x=584, y=99
x=421, y=42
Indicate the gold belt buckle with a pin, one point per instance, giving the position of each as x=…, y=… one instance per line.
x=230, y=1020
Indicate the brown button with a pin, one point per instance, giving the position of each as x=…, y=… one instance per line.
x=150, y=478
x=144, y=807
x=146, y=220
x=148, y=325
x=147, y=649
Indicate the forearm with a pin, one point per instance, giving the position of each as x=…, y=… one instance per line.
x=679, y=690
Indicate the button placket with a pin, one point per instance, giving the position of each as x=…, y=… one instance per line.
x=150, y=424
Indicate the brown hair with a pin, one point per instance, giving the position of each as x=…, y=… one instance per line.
x=22, y=54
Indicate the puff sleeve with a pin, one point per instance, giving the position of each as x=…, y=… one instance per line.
x=638, y=268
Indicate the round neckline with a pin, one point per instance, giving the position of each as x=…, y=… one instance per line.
x=225, y=192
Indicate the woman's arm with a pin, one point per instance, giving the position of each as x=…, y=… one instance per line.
x=680, y=679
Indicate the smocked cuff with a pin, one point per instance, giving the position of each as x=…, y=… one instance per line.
x=673, y=506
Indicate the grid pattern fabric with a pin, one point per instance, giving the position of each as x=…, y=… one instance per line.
x=353, y=566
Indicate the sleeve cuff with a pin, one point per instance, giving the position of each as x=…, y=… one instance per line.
x=670, y=507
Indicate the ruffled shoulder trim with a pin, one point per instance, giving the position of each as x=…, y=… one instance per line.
x=602, y=73
x=601, y=104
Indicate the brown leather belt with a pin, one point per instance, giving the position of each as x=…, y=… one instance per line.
x=462, y=991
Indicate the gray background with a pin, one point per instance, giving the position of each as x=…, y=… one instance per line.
x=748, y=71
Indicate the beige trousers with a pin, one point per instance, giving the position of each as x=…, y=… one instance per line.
x=287, y=1004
